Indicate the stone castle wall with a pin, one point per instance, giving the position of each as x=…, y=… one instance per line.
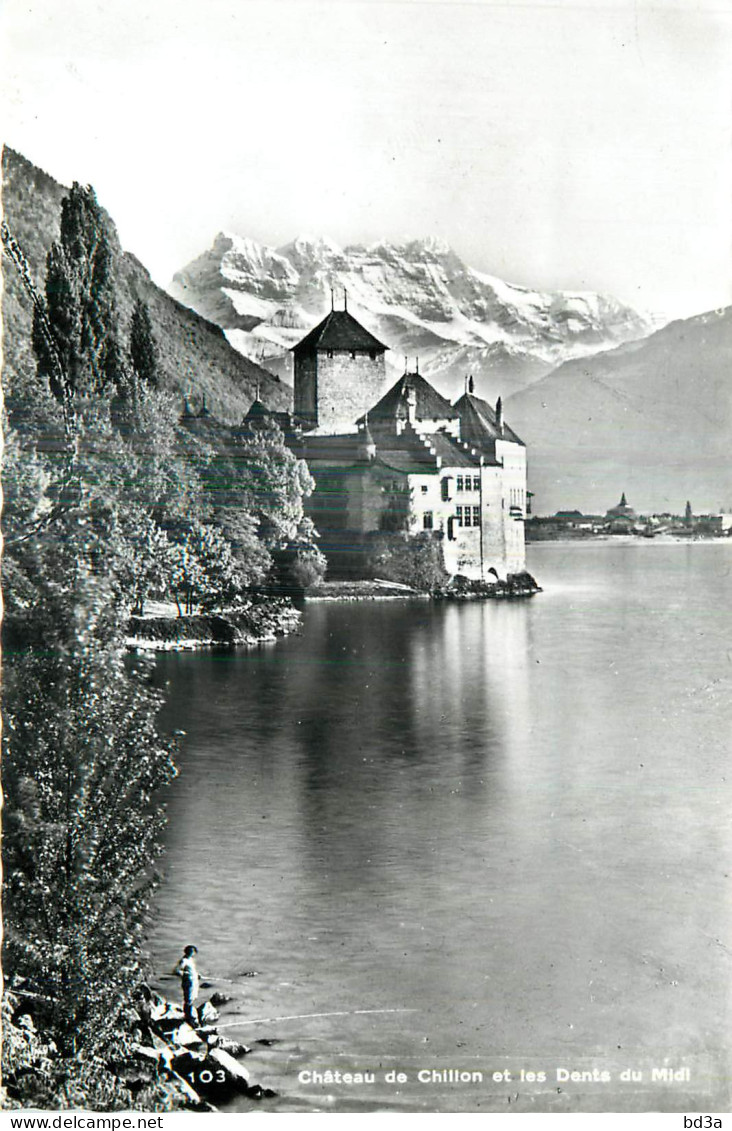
x=345, y=386
x=306, y=388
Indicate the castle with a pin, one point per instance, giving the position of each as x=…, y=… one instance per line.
x=402, y=457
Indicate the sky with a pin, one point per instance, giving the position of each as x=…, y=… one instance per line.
x=552, y=143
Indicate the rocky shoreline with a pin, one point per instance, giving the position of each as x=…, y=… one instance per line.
x=464, y=589
x=201, y=1066
x=459, y=589
x=260, y=622
x=160, y=1063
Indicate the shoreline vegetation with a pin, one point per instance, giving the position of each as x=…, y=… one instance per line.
x=262, y=621
x=266, y=619
x=113, y=499
x=185, y=1069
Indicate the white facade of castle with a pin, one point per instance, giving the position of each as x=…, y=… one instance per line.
x=407, y=459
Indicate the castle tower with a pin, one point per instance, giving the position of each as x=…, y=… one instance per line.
x=340, y=372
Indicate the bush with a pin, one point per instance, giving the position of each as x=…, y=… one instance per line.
x=410, y=559
x=307, y=567
x=298, y=567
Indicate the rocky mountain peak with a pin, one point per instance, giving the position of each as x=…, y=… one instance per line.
x=416, y=294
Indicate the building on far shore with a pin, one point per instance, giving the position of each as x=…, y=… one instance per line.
x=623, y=519
x=402, y=458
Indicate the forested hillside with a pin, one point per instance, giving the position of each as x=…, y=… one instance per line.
x=110, y=499
x=195, y=356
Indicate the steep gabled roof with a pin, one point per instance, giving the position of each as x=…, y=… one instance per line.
x=393, y=405
x=339, y=330
x=478, y=422
x=407, y=451
x=452, y=452
x=416, y=454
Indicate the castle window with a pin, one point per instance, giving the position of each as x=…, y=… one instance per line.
x=467, y=516
x=459, y=516
x=460, y=483
x=372, y=355
x=424, y=488
x=427, y=520
x=446, y=488
x=330, y=353
x=476, y=483
x=353, y=353
x=476, y=516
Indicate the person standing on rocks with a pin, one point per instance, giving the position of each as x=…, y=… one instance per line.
x=188, y=974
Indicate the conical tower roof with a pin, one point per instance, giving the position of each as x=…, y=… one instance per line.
x=339, y=330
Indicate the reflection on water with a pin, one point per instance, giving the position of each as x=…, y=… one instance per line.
x=508, y=821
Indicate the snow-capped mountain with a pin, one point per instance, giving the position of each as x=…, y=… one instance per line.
x=418, y=297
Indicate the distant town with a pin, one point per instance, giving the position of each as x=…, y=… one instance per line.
x=623, y=519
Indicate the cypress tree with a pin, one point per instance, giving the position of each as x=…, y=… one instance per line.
x=83, y=762
x=80, y=303
x=143, y=351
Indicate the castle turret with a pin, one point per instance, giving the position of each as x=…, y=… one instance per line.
x=366, y=450
x=340, y=371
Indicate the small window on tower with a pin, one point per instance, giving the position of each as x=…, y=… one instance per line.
x=427, y=520
x=353, y=353
x=330, y=353
x=424, y=488
x=372, y=355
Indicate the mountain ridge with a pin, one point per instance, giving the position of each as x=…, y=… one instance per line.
x=417, y=295
x=652, y=418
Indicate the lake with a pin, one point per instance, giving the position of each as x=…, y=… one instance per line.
x=482, y=840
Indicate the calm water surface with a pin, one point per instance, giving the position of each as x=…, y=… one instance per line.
x=479, y=837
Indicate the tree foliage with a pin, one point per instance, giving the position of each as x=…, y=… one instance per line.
x=206, y=574
x=83, y=356
x=82, y=764
x=272, y=482
x=143, y=350
x=108, y=506
x=411, y=559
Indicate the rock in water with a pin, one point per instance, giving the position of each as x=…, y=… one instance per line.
x=234, y=1048
x=235, y=1074
x=208, y=1014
